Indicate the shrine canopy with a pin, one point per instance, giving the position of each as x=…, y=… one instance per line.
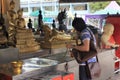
x=112, y=8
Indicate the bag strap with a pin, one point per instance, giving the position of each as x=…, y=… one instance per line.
x=93, y=38
x=90, y=34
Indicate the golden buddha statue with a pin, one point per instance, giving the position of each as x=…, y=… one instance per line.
x=25, y=41
x=20, y=14
x=54, y=38
x=11, y=16
x=54, y=35
x=11, y=9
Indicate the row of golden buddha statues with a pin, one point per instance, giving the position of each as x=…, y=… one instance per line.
x=21, y=37
x=18, y=35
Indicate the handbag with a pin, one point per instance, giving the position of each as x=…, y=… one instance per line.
x=82, y=56
x=93, y=69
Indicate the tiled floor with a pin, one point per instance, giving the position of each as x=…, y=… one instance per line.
x=115, y=77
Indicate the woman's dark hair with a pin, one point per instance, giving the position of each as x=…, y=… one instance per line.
x=79, y=24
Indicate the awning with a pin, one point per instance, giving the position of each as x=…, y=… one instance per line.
x=73, y=1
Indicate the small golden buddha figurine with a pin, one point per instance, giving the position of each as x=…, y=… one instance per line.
x=20, y=18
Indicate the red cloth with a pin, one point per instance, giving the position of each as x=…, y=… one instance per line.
x=115, y=21
x=116, y=65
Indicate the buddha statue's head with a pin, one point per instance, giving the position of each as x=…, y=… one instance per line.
x=12, y=5
x=20, y=12
x=108, y=29
x=21, y=23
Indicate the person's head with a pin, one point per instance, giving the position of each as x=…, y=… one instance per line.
x=79, y=24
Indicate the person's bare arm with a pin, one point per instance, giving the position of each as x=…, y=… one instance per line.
x=84, y=47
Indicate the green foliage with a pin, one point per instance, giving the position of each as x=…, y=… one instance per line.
x=94, y=6
x=118, y=2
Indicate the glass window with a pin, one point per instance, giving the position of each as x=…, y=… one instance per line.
x=49, y=8
x=35, y=9
x=80, y=7
x=62, y=7
x=25, y=9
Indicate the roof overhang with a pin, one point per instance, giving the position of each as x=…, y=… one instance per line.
x=74, y=1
